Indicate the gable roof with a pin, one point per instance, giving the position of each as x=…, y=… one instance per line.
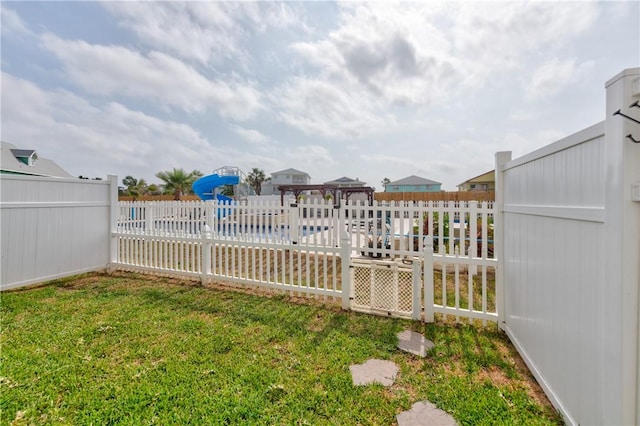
x=414, y=180
x=343, y=180
x=290, y=172
x=9, y=163
x=484, y=177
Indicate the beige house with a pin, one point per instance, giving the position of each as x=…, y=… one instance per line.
x=483, y=182
x=346, y=182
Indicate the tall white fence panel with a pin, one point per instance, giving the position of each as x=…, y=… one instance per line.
x=53, y=227
x=571, y=263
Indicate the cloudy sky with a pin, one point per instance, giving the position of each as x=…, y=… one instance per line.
x=358, y=89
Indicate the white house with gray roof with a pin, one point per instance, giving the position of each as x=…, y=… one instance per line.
x=285, y=177
x=413, y=184
x=27, y=162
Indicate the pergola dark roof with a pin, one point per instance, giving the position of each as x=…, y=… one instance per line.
x=324, y=189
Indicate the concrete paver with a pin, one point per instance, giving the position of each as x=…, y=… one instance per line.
x=374, y=370
x=424, y=413
x=415, y=343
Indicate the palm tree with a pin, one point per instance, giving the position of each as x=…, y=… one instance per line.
x=139, y=189
x=255, y=179
x=135, y=187
x=178, y=181
x=154, y=189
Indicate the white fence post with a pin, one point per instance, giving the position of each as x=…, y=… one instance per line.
x=113, y=218
x=206, y=236
x=473, y=235
x=149, y=211
x=345, y=258
x=622, y=234
x=498, y=236
x=294, y=222
x=417, y=290
x=428, y=279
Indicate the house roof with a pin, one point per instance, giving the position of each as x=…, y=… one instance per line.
x=484, y=177
x=414, y=180
x=344, y=180
x=9, y=163
x=290, y=172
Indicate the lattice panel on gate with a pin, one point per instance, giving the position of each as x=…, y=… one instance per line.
x=361, y=283
x=405, y=290
x=382, y=287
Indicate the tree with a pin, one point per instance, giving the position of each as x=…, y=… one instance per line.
x=128, y=181
x=227, y=191
x=134, y=187
x=154, y=189
x=178, y=181
x=255, y=179
x=139, y=189
x=385, y=182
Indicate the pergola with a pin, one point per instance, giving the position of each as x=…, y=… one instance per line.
x=326, y=189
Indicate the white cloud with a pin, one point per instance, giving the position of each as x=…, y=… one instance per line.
x=11, y=21
x=553, y=76
x=251, y=135
x=422, y=53
x=119, y=71
x=315, y=160
x=96, y=140
x=209, y=33
x=394, y=53
x=500, y=38
x=319, y=108
x=204, y=32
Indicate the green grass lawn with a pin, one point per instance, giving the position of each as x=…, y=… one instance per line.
x=133, y=349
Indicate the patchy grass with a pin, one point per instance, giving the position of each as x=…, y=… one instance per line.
x=133, y=349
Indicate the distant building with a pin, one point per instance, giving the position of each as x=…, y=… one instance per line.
x=413, y=184
x=27, y=162
x=345, y=182
x=285, y=177
x=483, y=182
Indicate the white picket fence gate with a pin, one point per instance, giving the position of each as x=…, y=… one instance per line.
x=370, y=257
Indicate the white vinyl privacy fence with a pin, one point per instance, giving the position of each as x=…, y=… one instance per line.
x=571, y=262
x=53, y=227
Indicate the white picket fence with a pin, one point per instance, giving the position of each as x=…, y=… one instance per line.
x=370, y=257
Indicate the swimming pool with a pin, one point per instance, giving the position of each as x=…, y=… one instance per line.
x=265, y=232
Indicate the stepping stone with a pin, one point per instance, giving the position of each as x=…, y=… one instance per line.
x=425, y=413
x=415, y=343
x=372, y=371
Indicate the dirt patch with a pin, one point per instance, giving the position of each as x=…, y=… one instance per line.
x=529, y=383
x=495, y=376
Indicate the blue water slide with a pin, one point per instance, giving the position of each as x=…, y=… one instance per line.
x=206, y=185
